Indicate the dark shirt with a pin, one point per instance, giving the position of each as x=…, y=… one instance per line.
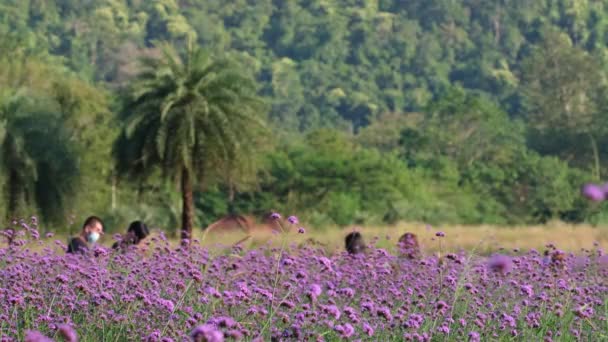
x=76, y=245
x=128, y=240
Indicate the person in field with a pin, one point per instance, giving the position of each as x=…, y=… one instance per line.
x=92, y=230
x=408, y=246
x=555, y=259
x=136, y=233
x=354, y=243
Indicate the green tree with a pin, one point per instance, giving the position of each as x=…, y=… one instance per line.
x=92, y=129
x=332, y=175
x=563, y=91
x=38, y=162
x=467, y=127
x=185, y=115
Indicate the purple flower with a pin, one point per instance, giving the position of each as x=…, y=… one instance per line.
x=369, y=306
x=293, y=220
x=508, y=321
x=62, y=278
x=440, y=234
x=527, y=290
x=206, y=333
x=212, y=291
x=385, y=312
x=348, y=292
x=224, y=322
x=36, y=336
x=301, y=230
x=332, y=310
x=345, y=330
x=315, y=290
x=474, y=336
x=584, y=312
x=288, y=304
x=593, y=192
x=68, y=333
x=275, y=216
x=235, y=334
x=414, y=322
x=444, y=329
x=167, y=304
x=500, y=263
x=441, y=305
x=325, y=262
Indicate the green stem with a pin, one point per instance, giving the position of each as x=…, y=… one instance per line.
x=177, y=306
x=276, y=280
x=122, y=325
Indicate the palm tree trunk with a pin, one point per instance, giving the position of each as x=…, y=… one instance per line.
x=14, y=192
x=113, y=191
x=188, y=205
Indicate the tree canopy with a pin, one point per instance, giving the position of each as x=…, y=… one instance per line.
x=187, y=116
x=376, y=111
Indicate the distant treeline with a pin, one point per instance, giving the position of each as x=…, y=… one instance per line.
x=375, y=111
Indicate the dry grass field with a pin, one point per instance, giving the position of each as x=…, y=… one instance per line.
x=483, y=239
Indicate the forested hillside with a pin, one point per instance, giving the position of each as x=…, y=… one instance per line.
x=381, y=110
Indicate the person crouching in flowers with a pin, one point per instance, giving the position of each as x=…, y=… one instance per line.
x=408, y=246
x=354, y=243
x=556, y=259
x=136, y=232
x=92, y=230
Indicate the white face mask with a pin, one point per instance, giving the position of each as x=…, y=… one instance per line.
x=93, y=237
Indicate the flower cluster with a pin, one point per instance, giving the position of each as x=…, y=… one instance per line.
x=174, y=294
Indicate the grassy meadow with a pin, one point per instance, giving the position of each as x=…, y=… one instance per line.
x=483, y=239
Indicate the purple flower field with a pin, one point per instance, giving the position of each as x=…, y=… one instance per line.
x=296, y=294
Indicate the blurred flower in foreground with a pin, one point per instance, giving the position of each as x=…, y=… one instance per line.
x=206, y=333
x=500, y=263
x=593, y=192
x=68, y=333
x=36, y=336
x=292, y=220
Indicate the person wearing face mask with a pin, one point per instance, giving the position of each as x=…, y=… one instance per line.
x=92, y=229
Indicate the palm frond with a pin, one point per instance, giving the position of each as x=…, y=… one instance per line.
x=192, y=112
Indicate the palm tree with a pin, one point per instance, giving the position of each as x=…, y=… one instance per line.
x=186, y=116
x=37, y=161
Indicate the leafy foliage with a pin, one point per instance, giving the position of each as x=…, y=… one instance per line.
x=453, y=111
x=189, y=117
x=39, y=165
